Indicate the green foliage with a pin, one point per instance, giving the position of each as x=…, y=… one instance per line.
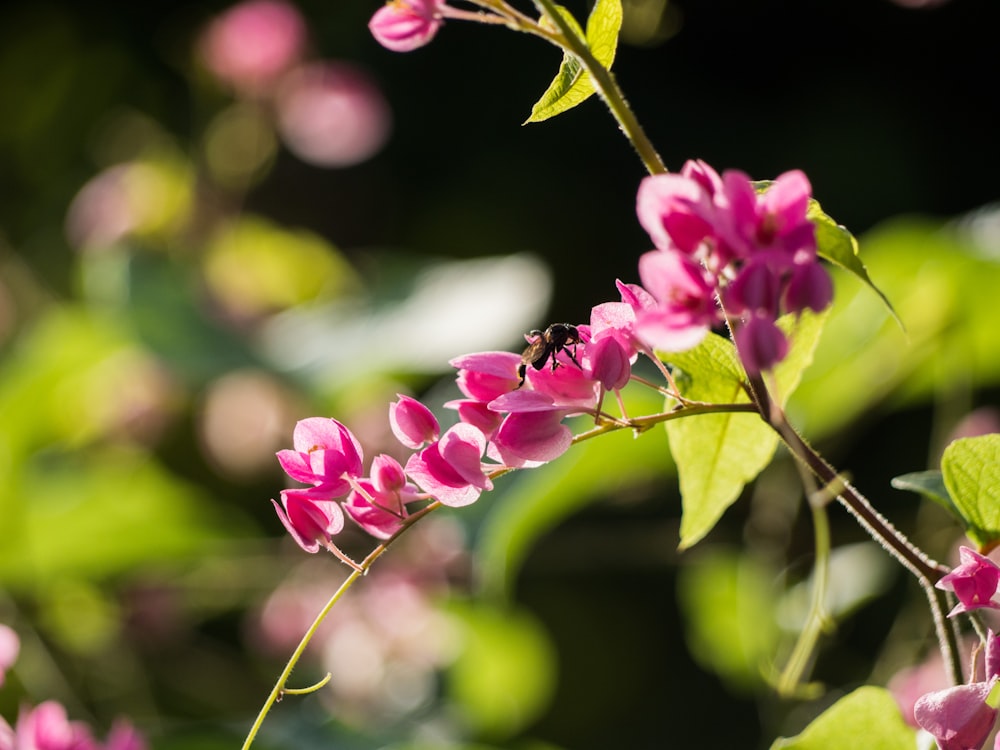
x=836, y=243
x=971, y=470
x=538, y=500
x=505, y=672
x=931, y=485
x=572, y=84
x=728, y=600
x=718, y=454
x=943, y=289
x=869, y=712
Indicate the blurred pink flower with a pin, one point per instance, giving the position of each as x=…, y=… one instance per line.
x=250, y=45
x=10, y=646
x=46, y=727
x=331, y=114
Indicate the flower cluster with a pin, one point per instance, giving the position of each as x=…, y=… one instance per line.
x=719, y=240
x=962, y=717
x=47, y=727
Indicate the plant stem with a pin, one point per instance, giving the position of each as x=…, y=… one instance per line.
x=606, y=87
x=362, y=569
x=925, y=569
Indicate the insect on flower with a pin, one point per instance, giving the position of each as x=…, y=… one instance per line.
x=546, y=345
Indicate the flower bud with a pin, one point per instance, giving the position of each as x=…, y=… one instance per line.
x=404, y=25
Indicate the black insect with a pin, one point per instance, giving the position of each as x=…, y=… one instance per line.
x=546, y=345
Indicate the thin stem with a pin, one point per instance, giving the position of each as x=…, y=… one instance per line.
x=816, y=619
x=925, y=569
x=279, y=687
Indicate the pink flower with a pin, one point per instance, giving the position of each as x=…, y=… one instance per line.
x=532, y=433
x=331, y=114
x=7, y=738
x=685, y=299
x=326, y=455
x=760, y=343
x=10, y=646
x=405, y=25
x=809, y=286
x=776, y=221
x=124, y=736
x=311, y=516
x=484, y=376
x=675, y=210
x=378, y=505
x=253, y=43
x=608, y=363
x=478, y=414
x=413, y=424
x=974, y=582
x=959, y=717
x=451, y=469
x=46, y=727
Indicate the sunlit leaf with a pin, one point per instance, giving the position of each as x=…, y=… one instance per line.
x=971, y=469
x=543, y=497
x=868, y=718
x=931, y=485
x=718, y=454
x=572, y=84
x=835, y=243
x=505, y=672
x=728, y=603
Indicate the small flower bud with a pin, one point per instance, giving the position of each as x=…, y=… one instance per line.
x=405, y=25
x=412, y=423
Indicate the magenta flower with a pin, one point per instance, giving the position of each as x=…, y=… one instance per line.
x=46, y=727
x=974, y=582
x=760, y=343
x=451, y=469
x=124, y=736
x=413, y=424
x=378, y=505
x=676, y=211
x=532, y=433
x=311, y=516
x=685, y=299
x=477, y=414
x=405, y=25
x=608, y=363
x=10, y=646
x=326, y=455
x=483, y=376
x=773, y=222
x=960, y=717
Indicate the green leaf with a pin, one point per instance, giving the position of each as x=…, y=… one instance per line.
x=931, y=485
x=868, y=718
x=718, y=454
x=728, y=603
x=572, y=84
x=537, y=501
x=835, y=243
x=505, y=672
x=971, y=470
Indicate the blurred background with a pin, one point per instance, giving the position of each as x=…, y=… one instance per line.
x=200, y=245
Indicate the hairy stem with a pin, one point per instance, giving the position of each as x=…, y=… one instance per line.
x=925, y=569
